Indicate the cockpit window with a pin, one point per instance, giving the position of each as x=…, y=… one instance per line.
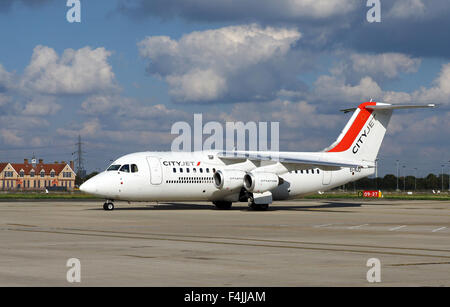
x=113, y=167
x=125, y=168
x=134, y=168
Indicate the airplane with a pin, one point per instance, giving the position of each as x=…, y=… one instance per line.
x=256, y=177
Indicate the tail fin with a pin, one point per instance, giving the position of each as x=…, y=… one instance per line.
x=362, y=136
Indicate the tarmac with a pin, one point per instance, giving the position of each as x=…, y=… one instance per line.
x=294, y=243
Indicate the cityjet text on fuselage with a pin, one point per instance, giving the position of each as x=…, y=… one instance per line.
x=180, y=163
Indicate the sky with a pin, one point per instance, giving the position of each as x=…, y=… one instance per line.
x=132, y=68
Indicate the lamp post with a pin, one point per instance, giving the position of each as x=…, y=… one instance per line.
x=442, y=178
x=404, y=178
x=376, y=173
x=415, y=179
x=397, y=175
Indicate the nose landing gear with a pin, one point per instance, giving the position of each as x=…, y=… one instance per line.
x=108, y=206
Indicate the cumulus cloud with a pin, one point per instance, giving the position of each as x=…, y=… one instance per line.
x=6, y=79
x=440, y=92
x=11, y=137
x=75, y=72
x=388, y=64
x=40, y=106
x=96, y=104
x=407, y=9
x=337, y=87
x=94, y=130
x=408, y=26
x=24, y=123
x=197, y=85
x=215, y=65
x=4, y=100
x=29, y=101
x=116, y=106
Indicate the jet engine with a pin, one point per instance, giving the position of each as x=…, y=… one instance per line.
x=228, y=179
x=261, y=182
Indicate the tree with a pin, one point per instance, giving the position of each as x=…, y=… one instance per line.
x=389, y=182
x=432, y=182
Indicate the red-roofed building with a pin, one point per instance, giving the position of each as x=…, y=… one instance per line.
x=36, y=176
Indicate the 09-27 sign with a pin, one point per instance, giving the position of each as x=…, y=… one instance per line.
x=370, y=194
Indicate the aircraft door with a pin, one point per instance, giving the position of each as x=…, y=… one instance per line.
x=326, y=179
x=155, y=170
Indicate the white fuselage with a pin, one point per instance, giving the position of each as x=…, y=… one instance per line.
x=188, y=176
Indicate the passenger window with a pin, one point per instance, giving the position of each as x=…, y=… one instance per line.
x=174, y=170
x=181, y=169
x=317, y=171
x=201, y=170
x=187, y=170
x=195, y=170
x=307, y=171
x=207, y=170
x=125, y=168
x=134, y=168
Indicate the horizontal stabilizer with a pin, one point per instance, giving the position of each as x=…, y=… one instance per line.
x=395, y=107
x=381, y=106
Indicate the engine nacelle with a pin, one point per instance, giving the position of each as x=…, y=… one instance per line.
x=261, y=182
x=228, y=179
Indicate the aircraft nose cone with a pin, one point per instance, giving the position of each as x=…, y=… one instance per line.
x=87, y=187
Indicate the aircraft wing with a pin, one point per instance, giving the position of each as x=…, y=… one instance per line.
x=296, y=158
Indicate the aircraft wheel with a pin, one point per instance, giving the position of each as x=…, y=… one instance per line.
x=223, y=205
x=108, y=206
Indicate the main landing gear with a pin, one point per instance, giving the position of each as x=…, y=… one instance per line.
x=108, y=206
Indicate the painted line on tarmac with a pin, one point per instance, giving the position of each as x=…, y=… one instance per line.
x=323, y=225
x=397, y=228
x=438, y=229
x=359, y=226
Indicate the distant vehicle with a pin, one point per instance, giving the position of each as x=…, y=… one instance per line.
x=257, y=177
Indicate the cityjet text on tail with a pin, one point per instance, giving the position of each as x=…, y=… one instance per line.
x=256, y=177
